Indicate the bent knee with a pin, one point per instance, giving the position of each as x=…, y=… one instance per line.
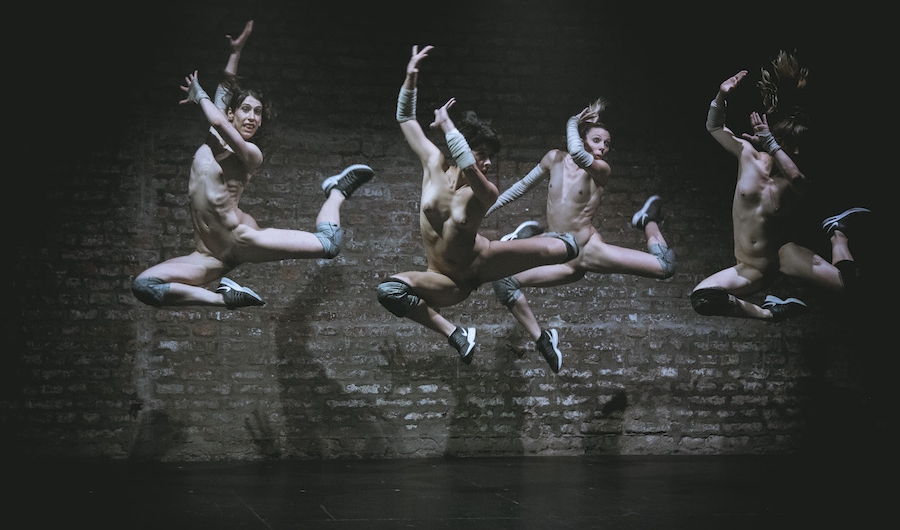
x=331, y=236
x=666, y=258
x=507, y=290
x=394, y=295
x=150, y=291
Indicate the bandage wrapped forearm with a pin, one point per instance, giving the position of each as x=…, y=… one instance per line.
x=459, y=149
x=406, y=104
x=575, y=145
x=223, y=93
x=518, y=189
x=715, y=118
x=769, y=143
x=196, y=93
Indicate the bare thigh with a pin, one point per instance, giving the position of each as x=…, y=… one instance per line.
x=738, y=280
x=800, y=262
x=194, y=269
x=601, y=257
x=434, y=288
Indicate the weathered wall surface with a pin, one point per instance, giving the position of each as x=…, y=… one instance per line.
x=323, y=371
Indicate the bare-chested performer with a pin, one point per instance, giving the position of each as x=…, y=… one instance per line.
x=578, y=178
x=454, y=200
x=769, y=183
x=226, y=236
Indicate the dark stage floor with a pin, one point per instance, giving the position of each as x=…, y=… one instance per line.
x=542, y=493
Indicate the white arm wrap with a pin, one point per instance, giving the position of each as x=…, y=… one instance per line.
x=406, y=104
x=715, y=118
x=769, y=143
x=518, y=189
x=459, y=149
x=196, y=93
x=576, y=145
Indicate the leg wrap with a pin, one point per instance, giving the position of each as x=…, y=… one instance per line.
x=331, y=236
x=507, y=290
x=711, y=301
x=666, y=257
x=849, y=274
x=151, y=291
x=395, y=297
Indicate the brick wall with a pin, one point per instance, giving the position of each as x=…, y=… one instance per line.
x=323, y=370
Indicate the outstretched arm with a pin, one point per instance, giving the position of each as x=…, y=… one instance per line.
x=406, y=111
x=522, y=186
x=236, y=46
x=248, y=152
x=715, y=117
x=223, y=91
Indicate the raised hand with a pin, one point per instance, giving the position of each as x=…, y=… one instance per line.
x=413, y=67
x=760, y=125
x=194, y=91
x=729, y=84
x=238, y=43
x=442, y=116
x=587, y=115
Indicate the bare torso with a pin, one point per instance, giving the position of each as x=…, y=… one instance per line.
x=573, y=197
x=216, y=184
x=449, y=219
x=761, y=200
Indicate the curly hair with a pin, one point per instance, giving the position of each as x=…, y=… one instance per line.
x=478, y=132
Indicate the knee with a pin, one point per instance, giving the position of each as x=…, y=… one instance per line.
x=332, y=238
x=150, y=291
x=394, y=295
x=666, y=257
x=710, y=301
x=507, y=290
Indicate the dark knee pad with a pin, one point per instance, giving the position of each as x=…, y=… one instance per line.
x=849, y=274
x=151, y=291
x=507, y=290
x=711, y=301
x=395, y=297
x=331, y=236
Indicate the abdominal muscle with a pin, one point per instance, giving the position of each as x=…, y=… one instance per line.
x=214, y=201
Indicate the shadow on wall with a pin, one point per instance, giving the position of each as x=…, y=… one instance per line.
x=512, y=405
x=328, y=394
x=156, y=436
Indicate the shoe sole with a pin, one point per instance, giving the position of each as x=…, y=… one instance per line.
x=835, y=218
x=231, y=284
x=636, y=218
x=554, y=343
x=515, y=234
x=470, y=337
x=772, y=300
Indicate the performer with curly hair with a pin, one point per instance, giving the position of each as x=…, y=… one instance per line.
x=455, y=196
